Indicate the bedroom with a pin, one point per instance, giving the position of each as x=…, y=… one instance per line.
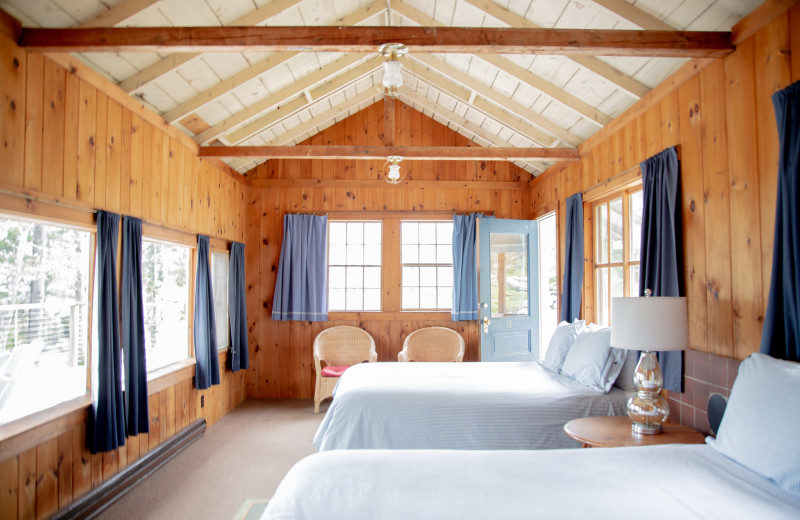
x=729, y=143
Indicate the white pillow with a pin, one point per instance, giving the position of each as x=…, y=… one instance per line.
x=625, y=377
x=559, y=345
x=759, y=429
x=592, y=361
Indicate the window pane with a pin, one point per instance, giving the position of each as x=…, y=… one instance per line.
x=409, y=231
x=372, y=299
x=337, y=254
x=355, y=232
x=355, y=278
x=44, y=315
x=336, y=278
x=372, y=233
x=509, y=273
x=372, y=254
x=355, y=299
x=355, y=254
x=372, y=277
x=410, y=254
x=427, y=277
x=165, y=280
x=444, y=253
x=445, y=276
x=336, y=299
x=411, y=297
x=602, y=311
x=427, y=254
x=635, y=225
x=410, y=276
x=427, y=233
x=337, y=233
x=219, y=284
x=601, y=216
x=634, y=285
x=444, y=233
x=445, y=297
x=615, y=207
x=427, y=297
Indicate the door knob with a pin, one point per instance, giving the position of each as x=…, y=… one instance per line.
x=486, y=323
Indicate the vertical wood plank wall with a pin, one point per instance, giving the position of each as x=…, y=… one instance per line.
x=723, y=123
x=61, y=138
x=281, y=352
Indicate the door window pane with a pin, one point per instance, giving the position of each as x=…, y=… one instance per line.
x=509, y=271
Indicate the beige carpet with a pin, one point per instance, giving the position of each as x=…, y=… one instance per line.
x=241, y=458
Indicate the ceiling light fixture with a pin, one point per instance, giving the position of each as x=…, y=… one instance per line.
x=392, y=75
x=392, y=173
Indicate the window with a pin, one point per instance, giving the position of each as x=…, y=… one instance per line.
x=165, y=282
x=427, y=257
x=219, y=284
x=354, y=266
x=548, y=282
x=44, y=302
x=617, y=235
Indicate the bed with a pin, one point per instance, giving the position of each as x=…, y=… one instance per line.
x=458, y=406
x=751, y=470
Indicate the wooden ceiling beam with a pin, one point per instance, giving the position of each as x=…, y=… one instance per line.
x=599, y=67
x=173, y=61
x=408, y=153
x=405, y=183
x=509, y=40
x=504, y=64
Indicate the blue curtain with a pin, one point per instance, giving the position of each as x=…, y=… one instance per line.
x=300, y=290
x=781, y=335
x=206, y=371
x=107, y=428
x=237, y=309
x=465, y=272
x=661, y=260
x=137, y=419
x=573, y=260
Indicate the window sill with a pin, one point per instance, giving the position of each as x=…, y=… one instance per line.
x=170, y=375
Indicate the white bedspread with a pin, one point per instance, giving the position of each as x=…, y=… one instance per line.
x=669, y=482
x=476, y=406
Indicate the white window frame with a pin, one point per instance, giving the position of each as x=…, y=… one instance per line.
x=407, y=266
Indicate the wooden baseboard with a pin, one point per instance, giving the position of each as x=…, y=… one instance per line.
x=110, y=491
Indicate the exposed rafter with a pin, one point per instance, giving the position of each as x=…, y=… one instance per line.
x=119, y=13
x=635, y=15
x=333, y=85
x=260, y=67
x=426, y=153
x=508, y=66
x=595, y=42
x=492, y=95
x=173, y=61
x=273, y=101
x=512, y=19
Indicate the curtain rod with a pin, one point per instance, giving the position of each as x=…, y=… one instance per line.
x=33, y=198
x=613, y=177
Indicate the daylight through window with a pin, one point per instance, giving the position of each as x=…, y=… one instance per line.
x=427, y=256
x=354, y=266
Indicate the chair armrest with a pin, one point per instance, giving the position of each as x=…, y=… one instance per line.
x=402, y=357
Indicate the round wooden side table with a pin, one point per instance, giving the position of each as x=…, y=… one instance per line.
x=615, y=432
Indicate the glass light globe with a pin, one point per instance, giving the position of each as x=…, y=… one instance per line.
x=394, y=172
x=392, y=78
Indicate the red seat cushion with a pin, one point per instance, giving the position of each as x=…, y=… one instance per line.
x=335, y=371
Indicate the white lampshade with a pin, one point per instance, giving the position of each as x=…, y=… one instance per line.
x=394, y=172
x=392, y=77
x=654, y=323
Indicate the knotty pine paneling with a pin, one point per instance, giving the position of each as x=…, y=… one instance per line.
x=723, y=123
x=281, y=355
x=65, y=139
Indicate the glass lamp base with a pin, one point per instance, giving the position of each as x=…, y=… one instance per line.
x=647, y=409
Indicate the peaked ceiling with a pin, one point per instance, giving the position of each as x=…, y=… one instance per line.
x=282, y=98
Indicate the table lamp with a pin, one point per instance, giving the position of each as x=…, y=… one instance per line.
x=649, y=324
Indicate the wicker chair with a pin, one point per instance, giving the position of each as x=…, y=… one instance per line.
x=433, y=344
x=339, y=348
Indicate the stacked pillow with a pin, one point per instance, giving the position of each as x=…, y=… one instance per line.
x=584, y=354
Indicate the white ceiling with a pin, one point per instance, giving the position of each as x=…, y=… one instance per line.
x=284, y=98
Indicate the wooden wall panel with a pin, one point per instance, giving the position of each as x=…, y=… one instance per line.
x=281, y=351
x=723, y=124
x=68, y=140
